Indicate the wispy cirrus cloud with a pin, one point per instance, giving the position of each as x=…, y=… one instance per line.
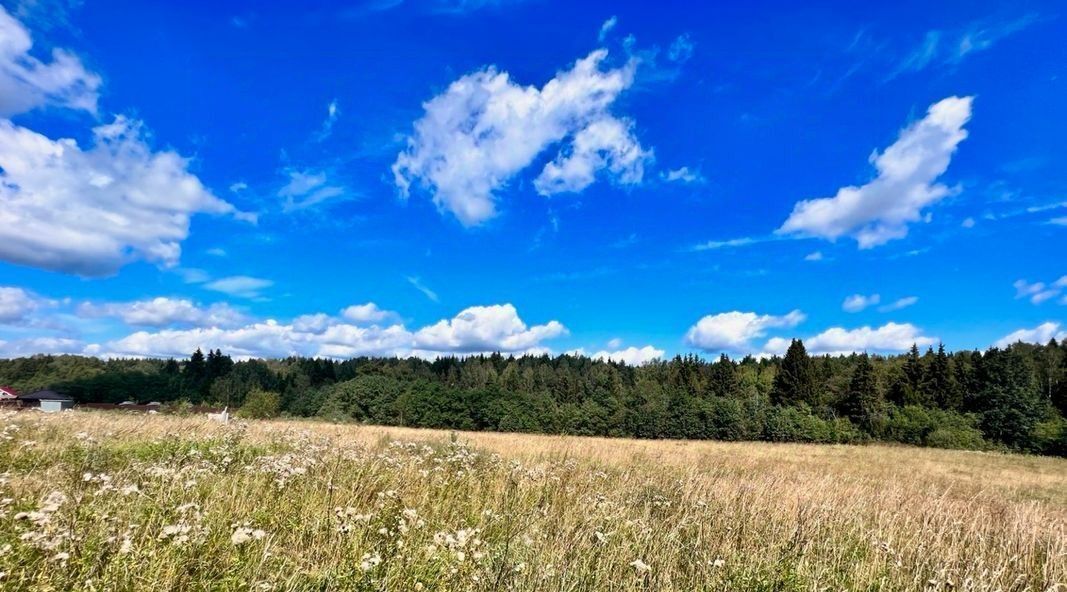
x=416, y=283
x=899, y=303
x=241, y=286
x=1038, y=292
x=307, y=188
x=952, y=46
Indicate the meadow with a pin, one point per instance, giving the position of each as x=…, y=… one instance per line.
x=114, y=501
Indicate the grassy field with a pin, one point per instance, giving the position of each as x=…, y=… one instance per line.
x=108, y=501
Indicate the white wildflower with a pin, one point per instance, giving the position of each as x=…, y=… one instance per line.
x=640, y=566
x=243, y=534
x=369, y=561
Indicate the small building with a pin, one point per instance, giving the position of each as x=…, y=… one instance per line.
x=47, y=400
x=9, y=397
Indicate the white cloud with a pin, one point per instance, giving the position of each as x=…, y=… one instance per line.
x=633, y=356
x=899, y=304
x=27, y=82
x=614, y=343
x=484, y=129
x=683, y=175
x=192, y=275
x=332, y=113
x=35, y=345
x=681, y=49
x=1059, y=221
x=163, y=312
x=485, y=329
x=814, y=256
x=1040, y=334
x=891, y=337
x=605, y=144
x=418, y=285
x=477, y=329
x=460, y=7
x=967, y=222
x=263, y=339
x=91, y=211
x=980, y=36
x=17, y=304
x=241, y=286
x=308, y=188
x=880, y=211
x=858, y=302
x=721, y=244
x=734, y=331
x=1039, y=292
x=367, y=313
x=607, y=28
x=950, y=47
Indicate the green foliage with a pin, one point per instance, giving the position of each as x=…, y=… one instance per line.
x=1012, y=398
x=260, y=404
x=795, y=381
x=798, y=424
x=922, y=426
x=863, y=403
x=1050, y=436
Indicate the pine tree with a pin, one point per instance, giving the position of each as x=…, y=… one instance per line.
x=795, y=380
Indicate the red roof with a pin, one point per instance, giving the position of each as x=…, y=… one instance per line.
x=10, y=390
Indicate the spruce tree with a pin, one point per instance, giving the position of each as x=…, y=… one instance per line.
x=795, y=380
x=194, y=376
x=1010, y=401
x=863, y=403
x=940, y=382
x=913, y=377
x=723, y=380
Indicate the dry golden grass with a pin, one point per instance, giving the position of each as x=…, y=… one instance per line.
x=129, y=502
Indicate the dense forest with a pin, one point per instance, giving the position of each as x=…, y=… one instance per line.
x=1013, y=398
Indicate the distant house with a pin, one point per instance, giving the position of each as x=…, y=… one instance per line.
x=47, y=400
x=9, y=397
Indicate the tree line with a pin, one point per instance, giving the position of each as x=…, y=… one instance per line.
x=1013, y=398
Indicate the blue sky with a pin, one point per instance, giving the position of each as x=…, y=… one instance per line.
x=471, y=176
